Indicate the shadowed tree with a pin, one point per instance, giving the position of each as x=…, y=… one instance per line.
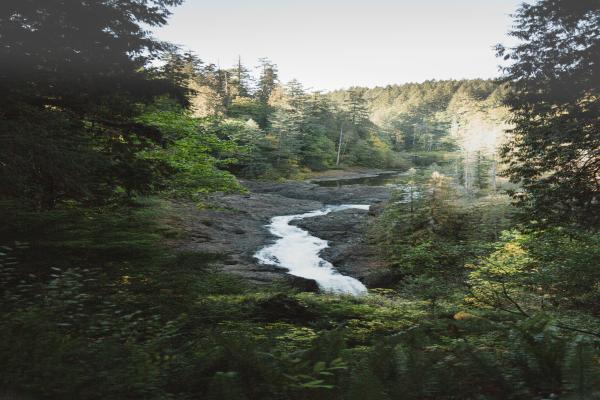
x=554, y=147
x=73, y=76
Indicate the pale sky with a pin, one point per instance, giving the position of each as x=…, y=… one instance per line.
x=332, y=44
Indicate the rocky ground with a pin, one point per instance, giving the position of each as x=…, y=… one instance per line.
x=234, y=225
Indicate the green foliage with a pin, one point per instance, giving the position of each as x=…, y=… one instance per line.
x=540, y=271
x=245, y=108
x=426, y=229
x=194, y=151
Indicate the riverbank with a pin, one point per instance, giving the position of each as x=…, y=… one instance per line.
x=347, y=173
x=234, y=226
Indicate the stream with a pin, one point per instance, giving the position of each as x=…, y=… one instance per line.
x=298, y=252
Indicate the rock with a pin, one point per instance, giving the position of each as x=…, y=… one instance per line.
x=348, y=251
x=230, y=261
x=383, y=277
x=302, y=284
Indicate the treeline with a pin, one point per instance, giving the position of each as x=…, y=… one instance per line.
x=286, y=129
x=436, y=115
x=282, y=129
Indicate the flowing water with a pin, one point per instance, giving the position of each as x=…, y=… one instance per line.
x=298, y=251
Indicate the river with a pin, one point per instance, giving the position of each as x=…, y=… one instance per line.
x=298, y=251
x=287, y=226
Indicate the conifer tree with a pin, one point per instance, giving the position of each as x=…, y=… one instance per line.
x=73, y=75
x=241, y=79
x=267, y=81
x=554, y=147
x=358, y=110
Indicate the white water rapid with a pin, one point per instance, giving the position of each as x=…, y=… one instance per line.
x=298, y=251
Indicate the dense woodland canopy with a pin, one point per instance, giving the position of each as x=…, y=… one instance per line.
x=285, y=129
x=491, y=285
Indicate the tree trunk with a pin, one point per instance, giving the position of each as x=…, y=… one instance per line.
x=337, y=163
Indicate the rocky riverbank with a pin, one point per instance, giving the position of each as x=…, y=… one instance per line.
x=233, y=225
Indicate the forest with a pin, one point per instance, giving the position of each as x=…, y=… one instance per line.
x=174, y=229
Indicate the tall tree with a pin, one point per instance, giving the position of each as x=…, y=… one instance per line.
x=267, y=80
x=357, y=108
x=317, y=148
x=73, y=74
x=287, y=123
x=241, y=79
x=181, y=68
x=554, y=148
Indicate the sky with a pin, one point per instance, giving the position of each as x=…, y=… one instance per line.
x=334, y=44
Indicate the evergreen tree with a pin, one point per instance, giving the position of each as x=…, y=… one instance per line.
x=267, y=80
x=553, y=150
x=482, y=171
x=358, y=110
x=181, y=68
x=240, y=79
x=72, y=77
x=318, y=146
x=286, y=124
x=212, y=90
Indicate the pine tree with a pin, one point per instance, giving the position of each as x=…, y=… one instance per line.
x=267, y=81
x=241, y=79
x=358, y=110
x=553, y=152
x=71, y=90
